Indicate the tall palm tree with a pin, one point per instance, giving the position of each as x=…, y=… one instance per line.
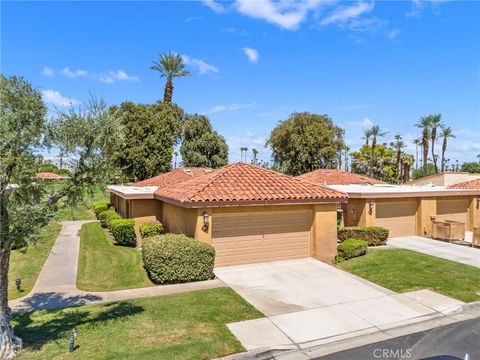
x=367, y=134
x=435, y=124
x=398, y=144
x=169, y=65
x=418, y=143
x=241, y=153
x=255, y=153
x=446, y=133
x=375, y=132
x=424, y=124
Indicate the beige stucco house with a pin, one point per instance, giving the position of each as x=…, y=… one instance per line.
x=445, y=179
x=249, y=214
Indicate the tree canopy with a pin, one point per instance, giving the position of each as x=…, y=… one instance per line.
x=381, y=163
x=201, y=145
x=471, y=167
x=151, y=133
x=306, y=142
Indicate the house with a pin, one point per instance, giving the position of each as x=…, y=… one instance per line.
x=50, y=176
x=337, y=177
x=472, y=184
x=445, y=178
x=249, y=214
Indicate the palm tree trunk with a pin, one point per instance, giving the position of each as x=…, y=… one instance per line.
x=167, y=96
x=425, y=152
x=434, y=135
x=444, y=148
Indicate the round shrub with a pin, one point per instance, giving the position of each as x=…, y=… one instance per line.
x=100, y=206
x=351, y=248
x=106, y=216
x=374, y=235
x=150, y=229
x=123, y=231
x=174, y=258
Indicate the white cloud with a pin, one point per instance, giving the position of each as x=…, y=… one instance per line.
x=344, y=14
x=113, y=76
x=201, y=65
x=47, y=71
x=55, y=98
x=215, y=6
x=364, y=123
x=252, y=54
x=286, y=14
x=231, y=107
x=392, y=35
x=73, y=74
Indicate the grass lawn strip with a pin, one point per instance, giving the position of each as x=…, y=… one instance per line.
x=103, y=266
x=178, y=326
x=404, y=270
x=83, y=210
x=27, y=263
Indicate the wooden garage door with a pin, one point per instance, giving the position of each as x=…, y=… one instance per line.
x=452, y=209
x=398, y=217
x=242, y=238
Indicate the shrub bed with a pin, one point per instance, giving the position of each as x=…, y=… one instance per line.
x=150, y=229
x=107, y=216
x=351, y=248
x=123, y=231
x=100, y=206
x=374, y=235
x=173, y=258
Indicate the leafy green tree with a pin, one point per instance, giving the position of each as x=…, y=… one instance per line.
x=306, y=142
x=382, y=165
x=85, y=134
x=201, y=145
x=170, y=66
x=49, y=167
x=151, y=133
x=471, y=167
x=419, y=173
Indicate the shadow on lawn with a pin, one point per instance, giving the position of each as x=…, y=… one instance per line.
x=59, y=323
x=53, y=300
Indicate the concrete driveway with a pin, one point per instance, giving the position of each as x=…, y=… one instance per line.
x=462, y=254
x=307, y=302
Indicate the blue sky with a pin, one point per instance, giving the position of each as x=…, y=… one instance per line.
x=255, y=62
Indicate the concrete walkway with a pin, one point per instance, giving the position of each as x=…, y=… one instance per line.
x=462, y=254
x=56, y=284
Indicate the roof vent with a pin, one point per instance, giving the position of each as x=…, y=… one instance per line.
x=188, y=172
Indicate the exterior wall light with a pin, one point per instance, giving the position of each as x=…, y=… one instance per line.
x=205, y=221
x=370, y=207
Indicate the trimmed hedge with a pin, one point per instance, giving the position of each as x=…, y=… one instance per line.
x=374, y=235
x=101, y=206
x=107, y=216
x=174, y=258
x=351, y=248
x=150, y=229
x=123, y=231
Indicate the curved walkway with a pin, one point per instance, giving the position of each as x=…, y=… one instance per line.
x=56, y=284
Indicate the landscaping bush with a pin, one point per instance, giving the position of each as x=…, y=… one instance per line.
x=173, y=258
x=100, y=206
x=150, y=229
x=374, y=235
x=123, y=231
x=106, y=216
x=351, y=248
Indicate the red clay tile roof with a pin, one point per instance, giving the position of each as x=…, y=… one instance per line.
x=242, y=183
x=472, y=184
x=172, y=177
x=337, y=177
x=46, y=175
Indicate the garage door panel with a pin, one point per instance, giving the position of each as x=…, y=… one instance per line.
x=398, y=217
x=261, y=236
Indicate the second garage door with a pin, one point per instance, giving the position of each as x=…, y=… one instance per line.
x=452, y=209
x=242, y=238
x=398, y=217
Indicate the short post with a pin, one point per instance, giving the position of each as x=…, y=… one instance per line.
x=18, y=284
x=73, y=335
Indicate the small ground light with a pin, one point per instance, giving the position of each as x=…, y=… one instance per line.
x=18, y=284
x=71, y=345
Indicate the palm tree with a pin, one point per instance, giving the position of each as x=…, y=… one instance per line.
x=478, y=157
x=418, y=143
x=424, y=124
x=175, y=164
x=169, y=65
x=435, y=123
x=241, y=153
x=367, y=134
x=375, y=133
x=446, y=133
x=398, y=144
x=255, y=153
x=245, y=149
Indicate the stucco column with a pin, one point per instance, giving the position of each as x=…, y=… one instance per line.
x=370, y=212
x=324, y=232
x=200, y=234
x=427, y=207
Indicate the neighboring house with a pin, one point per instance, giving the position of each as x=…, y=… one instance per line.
x=472, y=184
x=249, y=214
x=173, y=177
x=337, y=177
x=445, y=179
x=50, y=176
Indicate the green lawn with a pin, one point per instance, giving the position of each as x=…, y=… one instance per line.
x=83, y=210
x=179, y=326
x=103, y=266
x=403, y=270
x=26, y=263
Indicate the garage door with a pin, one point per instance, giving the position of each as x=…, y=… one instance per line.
x=452, y=209
x=242, y=238
x=398, y=217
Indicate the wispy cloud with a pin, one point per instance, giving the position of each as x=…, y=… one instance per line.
x=251, y=53
x=47, y=71
x=114, y=76
x=215, y=6
x=364, y=123
x=55, y=98
x=73, y=73
x=192, y=18
x=393, y=34
x=344, y=14
x=231, y=107
x=200, y=65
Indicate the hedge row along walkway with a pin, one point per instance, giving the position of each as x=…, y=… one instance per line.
x=56, y=284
